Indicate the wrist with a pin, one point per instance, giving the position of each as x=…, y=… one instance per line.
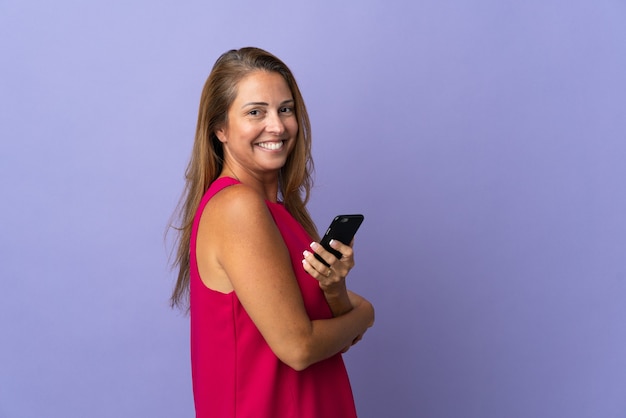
x=335, y=290
x=338, y=300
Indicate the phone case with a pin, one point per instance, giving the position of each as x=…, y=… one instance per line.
x=342, y=228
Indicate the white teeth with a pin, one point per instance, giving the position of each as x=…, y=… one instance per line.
x=271, y=145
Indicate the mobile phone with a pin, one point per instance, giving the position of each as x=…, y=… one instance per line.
x=342, y=228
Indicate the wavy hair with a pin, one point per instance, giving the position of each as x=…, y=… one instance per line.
x=207, y=156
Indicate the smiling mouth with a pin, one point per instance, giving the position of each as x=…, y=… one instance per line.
x=272, y=145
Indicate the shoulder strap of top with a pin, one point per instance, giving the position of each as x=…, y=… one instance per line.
x=214, y=188
x=220, y=184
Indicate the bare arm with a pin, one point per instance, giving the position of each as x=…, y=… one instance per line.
x=252, y=253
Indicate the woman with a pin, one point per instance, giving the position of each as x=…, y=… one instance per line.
x=268, y=320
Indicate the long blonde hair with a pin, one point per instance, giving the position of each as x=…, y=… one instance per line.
x=207, y=157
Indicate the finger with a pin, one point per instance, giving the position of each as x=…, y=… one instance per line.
x=346, y=262
x=315, y=267
x=322, y=255
x=346, y=250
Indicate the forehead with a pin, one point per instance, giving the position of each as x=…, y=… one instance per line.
x=263, y=86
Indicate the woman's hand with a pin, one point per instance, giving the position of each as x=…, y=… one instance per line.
x=332, y=279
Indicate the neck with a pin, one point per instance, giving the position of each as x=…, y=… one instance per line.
x=267, y=185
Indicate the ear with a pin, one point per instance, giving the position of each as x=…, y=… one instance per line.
x=220, y=133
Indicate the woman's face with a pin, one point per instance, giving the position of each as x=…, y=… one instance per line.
x=262, y=127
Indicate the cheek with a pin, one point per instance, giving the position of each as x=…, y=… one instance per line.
x=292, y=126
x=244, y=133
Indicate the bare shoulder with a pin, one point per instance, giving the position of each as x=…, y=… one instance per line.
x=238, y=218
x=236, y=213
x=235, y=202
x=242, y=227
x=235, y=224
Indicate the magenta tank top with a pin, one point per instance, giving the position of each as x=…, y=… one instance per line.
x=234, y=371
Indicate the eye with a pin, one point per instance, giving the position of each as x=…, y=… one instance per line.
x=286, y=109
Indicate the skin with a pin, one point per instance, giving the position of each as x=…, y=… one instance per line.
x=257, y=138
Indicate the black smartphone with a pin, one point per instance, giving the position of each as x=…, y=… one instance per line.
x=342, y=228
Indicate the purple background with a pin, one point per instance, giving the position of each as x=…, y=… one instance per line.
x=484, y=141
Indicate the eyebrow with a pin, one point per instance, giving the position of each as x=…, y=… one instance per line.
x=266, y=104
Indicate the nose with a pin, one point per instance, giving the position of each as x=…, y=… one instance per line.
x=275, y=124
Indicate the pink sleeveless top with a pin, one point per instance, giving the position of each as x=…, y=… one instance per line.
x=234, y=371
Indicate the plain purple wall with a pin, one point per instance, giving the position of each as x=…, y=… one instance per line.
x=484, y=141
